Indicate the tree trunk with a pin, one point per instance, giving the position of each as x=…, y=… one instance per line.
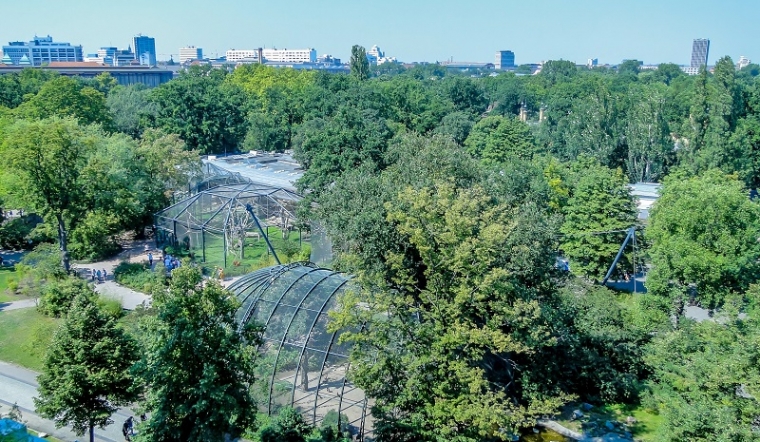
x=63, y=243
x=92, y=433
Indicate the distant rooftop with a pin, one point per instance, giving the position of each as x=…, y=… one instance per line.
x=272, y=169
x=646, y=194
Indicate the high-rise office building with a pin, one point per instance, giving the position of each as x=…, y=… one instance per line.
x=190, y=53
x=505, y=60
x=145, y=50
x=39, y=51
x=699, y=52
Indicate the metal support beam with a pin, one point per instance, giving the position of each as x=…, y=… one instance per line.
x=631, y=233
x=249, y=208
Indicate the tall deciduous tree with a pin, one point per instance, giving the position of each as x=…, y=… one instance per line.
x=704, y=233
x=359, y=63
x=131, y=108
x=86, y=375
x=197, y=366
x=446, y=352
x=203, y=109
x=598, y=214
x=705, y=380
x=497, y=139
x=65, y=97
x=49, y=156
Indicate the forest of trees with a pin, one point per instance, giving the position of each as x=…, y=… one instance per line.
x=451, y=211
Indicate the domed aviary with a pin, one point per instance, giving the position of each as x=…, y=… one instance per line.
x=216, y=227
x=301, y=363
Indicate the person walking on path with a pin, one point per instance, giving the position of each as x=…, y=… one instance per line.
x=105, y=274
x=99, y=276
x=150, y=260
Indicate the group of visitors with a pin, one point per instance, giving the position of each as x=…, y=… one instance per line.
x=98, y=275
x=170, y=262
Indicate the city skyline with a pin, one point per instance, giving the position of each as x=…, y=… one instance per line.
x=424, y=31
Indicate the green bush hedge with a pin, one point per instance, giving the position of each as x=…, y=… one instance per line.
x=140, y=277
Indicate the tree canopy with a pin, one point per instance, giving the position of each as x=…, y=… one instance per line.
x=86, y=376
x=197, y=366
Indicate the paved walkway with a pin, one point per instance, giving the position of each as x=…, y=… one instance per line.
x=15, y=305
x=134, y=251
x=19, y=385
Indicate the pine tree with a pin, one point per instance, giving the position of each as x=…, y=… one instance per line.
x=87, y=370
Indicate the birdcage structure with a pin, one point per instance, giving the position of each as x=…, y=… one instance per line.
x=301, y=363
x=232, y=224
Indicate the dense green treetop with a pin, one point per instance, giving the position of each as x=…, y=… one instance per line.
x=704, y=234
x=197, y=366
x=205, y=111
x=498, y=140
x=706, y=380
x=598, y=214
x=65, y=97
x=87, y=369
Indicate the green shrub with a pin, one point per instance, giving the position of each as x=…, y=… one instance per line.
x=139, y=277
x=111, y=307
x=177, y=251
x=57, y=296
x=43, y=263
x=329, y=431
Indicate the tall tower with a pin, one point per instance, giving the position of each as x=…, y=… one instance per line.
x=145, y=49
x=699, y=52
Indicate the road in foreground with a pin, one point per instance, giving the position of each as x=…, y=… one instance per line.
x=19, y=385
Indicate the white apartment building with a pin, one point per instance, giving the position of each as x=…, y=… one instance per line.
x=290, y=55
x=190, y=53
x=273, y=55
x=235, y=55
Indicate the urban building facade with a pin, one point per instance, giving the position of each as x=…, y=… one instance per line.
x=376, y=56
x=190, y=53
x=145, y=50
x=238, y=55
x=290, y=55
x=743, y=62
x=124, y=75
x=112, y=56
x=40, y=51
x=272, y=55
x=699, y=52
x=505, y=60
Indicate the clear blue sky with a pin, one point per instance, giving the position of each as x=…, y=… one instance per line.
x=412, y=30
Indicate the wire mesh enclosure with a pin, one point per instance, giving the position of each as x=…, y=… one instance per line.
x=214, y=226
x=301, y=363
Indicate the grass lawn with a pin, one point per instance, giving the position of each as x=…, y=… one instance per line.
x=256, y=252
x=6, y=274
x=26, y=335
x=50, y=438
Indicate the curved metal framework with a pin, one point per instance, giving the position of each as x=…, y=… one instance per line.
x=217, y=227
x=301, y=363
